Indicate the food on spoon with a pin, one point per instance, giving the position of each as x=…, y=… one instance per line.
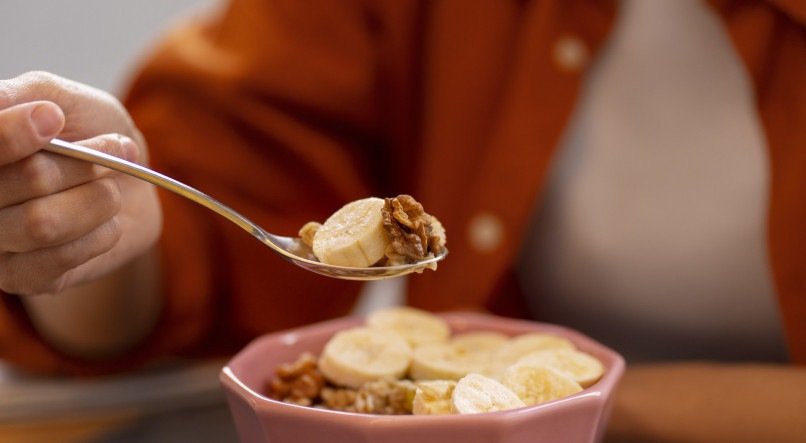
x=353, y=236
x=382, y=367
x=414, y=234
x=308, y=231
x=374, y=231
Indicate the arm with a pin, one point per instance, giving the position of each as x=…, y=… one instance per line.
x=103, y=318
x=710, y=402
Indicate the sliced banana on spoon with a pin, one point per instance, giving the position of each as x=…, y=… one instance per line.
x=375, y=231
x=353, y=236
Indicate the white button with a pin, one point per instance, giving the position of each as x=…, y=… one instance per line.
x=486, y=232
x=570, y=53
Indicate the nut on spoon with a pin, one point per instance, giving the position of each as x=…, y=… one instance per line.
x=290, y=248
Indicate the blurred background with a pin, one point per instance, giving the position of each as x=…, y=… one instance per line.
x=92, y=41
x=100, y=42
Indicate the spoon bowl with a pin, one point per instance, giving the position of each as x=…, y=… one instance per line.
x=290, y=248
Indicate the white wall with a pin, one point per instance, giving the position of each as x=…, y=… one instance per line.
x=92, y=41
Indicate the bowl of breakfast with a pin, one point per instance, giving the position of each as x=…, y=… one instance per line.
x=401, y=374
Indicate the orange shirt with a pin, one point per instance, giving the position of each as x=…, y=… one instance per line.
x=286, y=110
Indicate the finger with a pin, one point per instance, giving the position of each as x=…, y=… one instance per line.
x=60, y=218
x=26, y=128
x=44, y=173
x=45, y=271
x=41, y=85
x=92, y=110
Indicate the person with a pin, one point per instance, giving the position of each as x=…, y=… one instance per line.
x=627, y=169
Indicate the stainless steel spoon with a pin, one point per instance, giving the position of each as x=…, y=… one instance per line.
x=290, y=248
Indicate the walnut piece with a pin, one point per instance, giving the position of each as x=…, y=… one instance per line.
x=299, y=382
x=307, y=232
x=302, y=383
x=414, y=234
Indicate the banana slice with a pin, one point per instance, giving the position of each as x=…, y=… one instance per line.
x=462, y=354
x=353, y=236
x=479, y=342
x=417, y=326
x=434, y=397
x=582, y=367
x=517, y=347
x=358, y=355
x=442, y=361
x=535, y=384
x=475, y=393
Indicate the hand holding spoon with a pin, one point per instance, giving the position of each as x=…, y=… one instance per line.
x=290, y=248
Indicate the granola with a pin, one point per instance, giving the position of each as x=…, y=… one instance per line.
x=448, y=374
x=302, y=383
x=299, y=382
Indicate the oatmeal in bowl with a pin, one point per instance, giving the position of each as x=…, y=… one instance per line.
x=465, y=376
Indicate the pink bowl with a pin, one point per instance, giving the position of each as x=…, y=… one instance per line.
x=578, y=418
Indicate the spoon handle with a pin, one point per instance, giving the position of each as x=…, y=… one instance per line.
x=289, y=248
x=90, y=155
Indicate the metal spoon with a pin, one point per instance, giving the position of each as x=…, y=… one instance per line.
x=290, y=248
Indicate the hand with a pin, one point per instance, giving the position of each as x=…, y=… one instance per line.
x=63, y=221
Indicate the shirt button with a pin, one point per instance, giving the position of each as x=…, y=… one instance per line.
x=570, y=53
x=485, y=232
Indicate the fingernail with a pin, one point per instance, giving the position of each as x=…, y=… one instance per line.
x=46, y=120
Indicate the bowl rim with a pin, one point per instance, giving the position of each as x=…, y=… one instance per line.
x=613, y=361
